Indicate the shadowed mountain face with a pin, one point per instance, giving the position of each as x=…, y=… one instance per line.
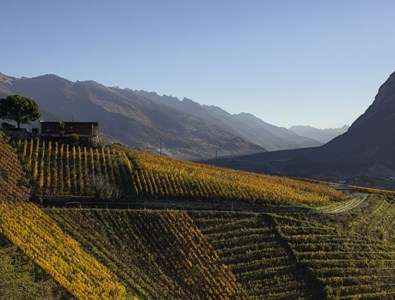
x=366, y=149
x=187, y=129
x=128, y=117
x=371, y=138
x=244, y=125
x=321, y=135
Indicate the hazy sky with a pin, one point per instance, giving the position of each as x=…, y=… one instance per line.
x=288, y=62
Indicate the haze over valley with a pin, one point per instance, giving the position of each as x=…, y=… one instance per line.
x=197, y=150
x=141, y=119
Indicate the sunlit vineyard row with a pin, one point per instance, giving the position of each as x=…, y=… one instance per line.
x=212, y=182
x=27, y=227
x=71, y=170
x=157, y=255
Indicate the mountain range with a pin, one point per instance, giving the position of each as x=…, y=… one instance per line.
x=184, y=128
x=321, y=135
x=365, y=150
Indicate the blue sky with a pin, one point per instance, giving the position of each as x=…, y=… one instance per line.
x=286, y=61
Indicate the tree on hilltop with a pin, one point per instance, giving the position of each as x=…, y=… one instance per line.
x=20, y=109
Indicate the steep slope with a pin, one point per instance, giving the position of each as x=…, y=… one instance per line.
x=25, y=226
x=249, y=245
x=129, y=117
x=20, y=277
x=69, y=170
x=244, y=125
x=158, y=255
x=321, y=135
x=350, y=253
x=366, y=149
x=370, y=139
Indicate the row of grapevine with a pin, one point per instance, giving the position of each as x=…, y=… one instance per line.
x=13, y=184
x=351, y=261
x=70, y=170
x=249, y=246
x=27, y=227
x=164, y=177
x=61, y=169
x=157, y=255
x=376, y=219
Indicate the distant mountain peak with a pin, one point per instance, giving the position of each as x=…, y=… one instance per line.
x=137, y=119
x=6, y=79
x=321, y=135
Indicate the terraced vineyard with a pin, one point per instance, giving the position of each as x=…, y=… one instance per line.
x=341, y=247
x=70, y=170
x=157, y=255
x=250, y=245
x=351, y=253
x=13, y=184
x=25, y=226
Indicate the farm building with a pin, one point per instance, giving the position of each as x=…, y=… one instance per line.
x=56, y=130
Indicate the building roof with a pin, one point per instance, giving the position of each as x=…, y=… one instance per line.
x=71, y=122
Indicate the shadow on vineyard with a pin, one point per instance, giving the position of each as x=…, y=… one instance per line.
x=157, y=255
x=318, y=243
x=21, y=278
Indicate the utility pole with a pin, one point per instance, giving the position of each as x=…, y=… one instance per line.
x=160, y=146
x=216, y=154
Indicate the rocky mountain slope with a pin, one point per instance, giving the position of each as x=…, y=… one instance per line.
x=129, y=117
x=244, y=125
x=366, y=149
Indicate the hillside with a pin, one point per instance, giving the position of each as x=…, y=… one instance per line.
x=250, y=245
x=157, y=255
x=244, y=125
x=70, y=170
x=139, y=119
x=363, y=154
x=128, y=117
x=321, y=244
x=20, y=276
x=51, y=251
